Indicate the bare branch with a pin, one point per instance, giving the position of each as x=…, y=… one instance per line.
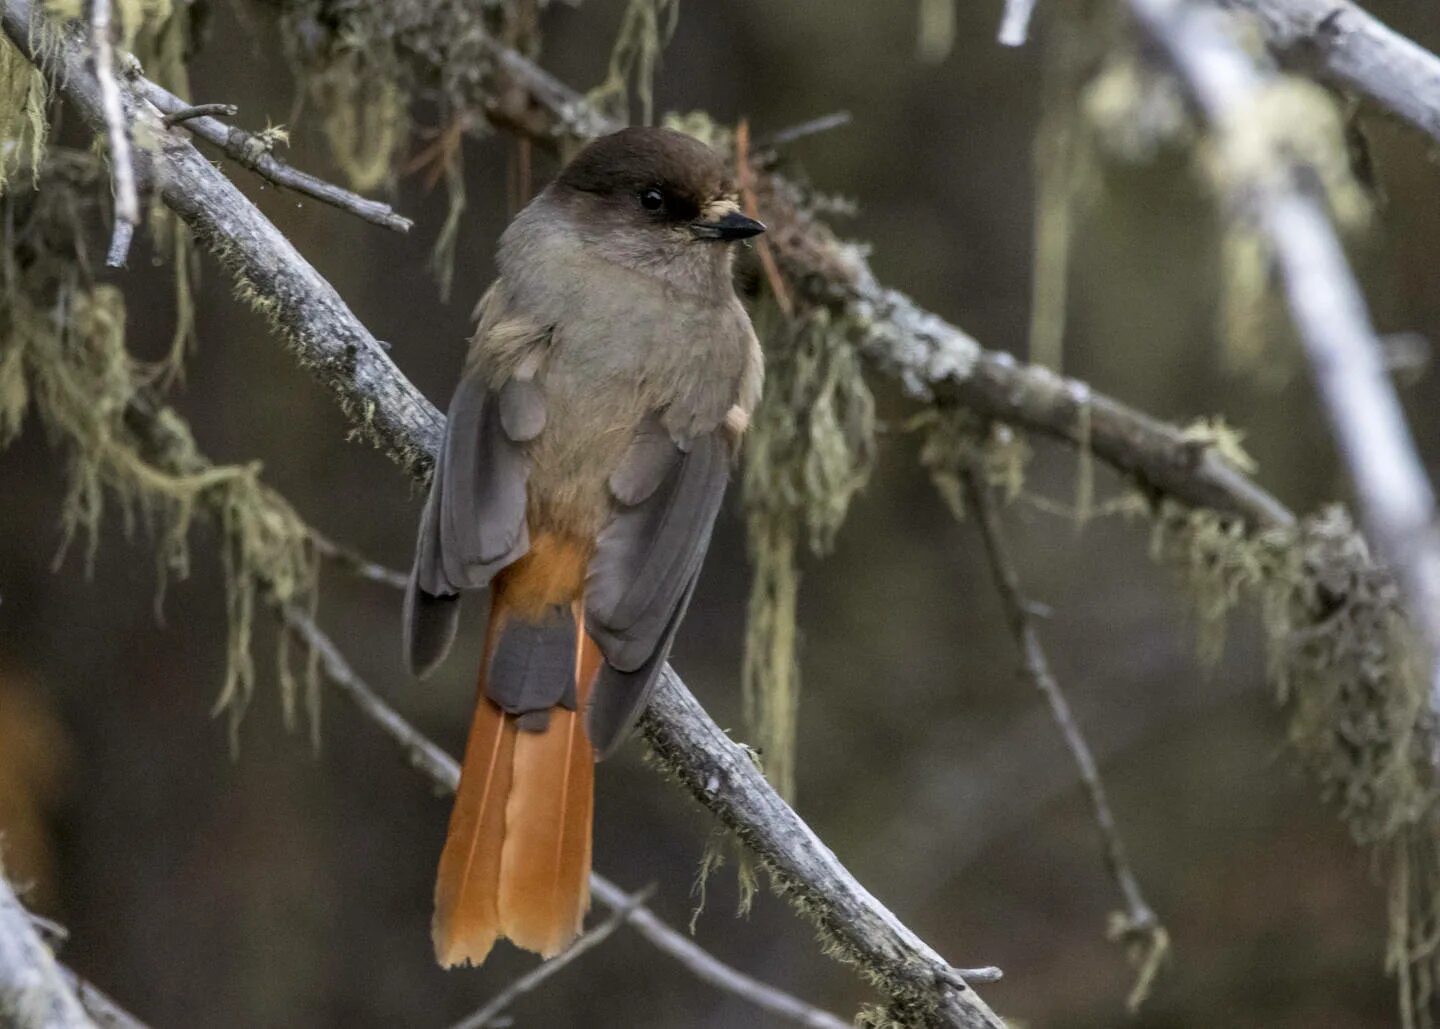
x=1137, y=926
x=200, y=111
x=705, y=966
x=813, y=127
x=491, y=1012
x=1015, y=26
x=721, y=775
x=117, y=136
x=1330, y=315
x=247, y=149
x=442, y=770
x=357, y=563
x=1350, y=49
x=33, y=990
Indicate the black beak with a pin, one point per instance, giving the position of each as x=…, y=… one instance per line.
x=728, y=229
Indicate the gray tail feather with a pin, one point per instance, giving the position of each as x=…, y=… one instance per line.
x=533, y=668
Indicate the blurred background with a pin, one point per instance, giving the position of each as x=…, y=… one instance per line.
x=281, y=886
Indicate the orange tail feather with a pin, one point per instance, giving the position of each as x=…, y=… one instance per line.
x=517, y=857
x=467, y=919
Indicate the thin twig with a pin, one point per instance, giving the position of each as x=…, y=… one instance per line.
x=117, y=135
x=199, y=111
x=1138, y=926
x=1326, y=305
x=813, y=127
x=247, y=149
x=751, y=206
x=1015, y=25
x=33, y=991
x=532, y=979
x=444, y=774
x=357, y=563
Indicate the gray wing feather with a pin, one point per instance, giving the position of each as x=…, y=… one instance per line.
x=618, y=699
x=647, y=560
x=522, y=409
x=482, y=513
x=646, y=463
x=474, y=519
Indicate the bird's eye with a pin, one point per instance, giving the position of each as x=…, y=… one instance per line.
x=652, y=200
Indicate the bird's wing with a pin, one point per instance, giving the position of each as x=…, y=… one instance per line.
x=647, y=559
x=474, y=519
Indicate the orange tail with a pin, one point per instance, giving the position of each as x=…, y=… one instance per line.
x=516, y=861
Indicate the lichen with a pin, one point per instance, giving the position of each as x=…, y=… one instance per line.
x=645, y=28
x=66, y=360
x=953, y=437
x=809, y=450
x=1344, y=663
x=24, y=126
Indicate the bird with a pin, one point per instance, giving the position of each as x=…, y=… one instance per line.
x=587, y=448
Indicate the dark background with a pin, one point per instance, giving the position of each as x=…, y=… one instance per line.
x=286, y=887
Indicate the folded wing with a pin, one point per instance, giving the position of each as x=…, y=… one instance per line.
x=647, y=559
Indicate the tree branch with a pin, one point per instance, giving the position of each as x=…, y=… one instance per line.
x=117, y=136
x=1015, y=26
x=1346, y=47
x=1137, y=926
x=1326, y=305
x=33, y=990
x=246, y=149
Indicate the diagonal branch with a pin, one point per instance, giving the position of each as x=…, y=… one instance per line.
x=247, y=149
x=1137, y=927
x=1348, y=48
x=388, y=410
x=33, y=990
x=117, y=136
x=1326, y=305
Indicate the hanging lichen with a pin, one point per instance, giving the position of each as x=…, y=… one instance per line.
x=23, y=124
x=952, y=437
x=808, y=452
x=364, y=114
x=442, y=256
x=64, y=357
x=1064, y=173
x=645, y=29
x=1294, y=124
x=935, y=30
x=1345, y=666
